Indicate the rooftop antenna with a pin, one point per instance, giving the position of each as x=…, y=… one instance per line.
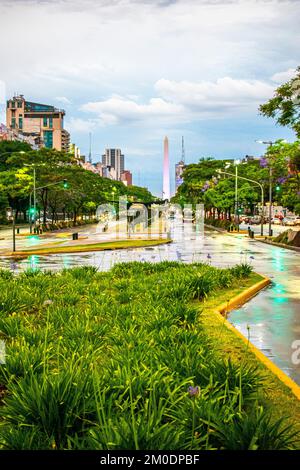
x=182, y=150
x=90, y=151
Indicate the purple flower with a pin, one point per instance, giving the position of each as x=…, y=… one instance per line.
x=193, y=391
x=281, y=180
x=209, y=256
x=263, y=162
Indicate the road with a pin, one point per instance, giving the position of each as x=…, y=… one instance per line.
x=273, y=315
x=277, y=229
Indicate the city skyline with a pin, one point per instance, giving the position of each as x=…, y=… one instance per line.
x=159, y=80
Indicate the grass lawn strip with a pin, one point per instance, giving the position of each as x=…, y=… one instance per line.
x=134, y=358
x=114, y=245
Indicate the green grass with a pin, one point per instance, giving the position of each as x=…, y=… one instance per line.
x=132, y=359
x=114, y=245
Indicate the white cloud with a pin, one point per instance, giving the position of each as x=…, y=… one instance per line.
x=2, y=92
x=281, y=77
x=226, y=94
x=80, y=125
x=63, y=99
x=183, y=102
x=119, y=110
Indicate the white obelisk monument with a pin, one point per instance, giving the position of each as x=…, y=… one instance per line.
x=166, y=170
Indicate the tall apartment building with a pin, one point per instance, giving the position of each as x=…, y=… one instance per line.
x=42, y=122
x=115, y=159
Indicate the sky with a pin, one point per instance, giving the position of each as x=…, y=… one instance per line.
x=132, y=71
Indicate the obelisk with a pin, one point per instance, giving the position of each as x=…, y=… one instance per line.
x=166, y=170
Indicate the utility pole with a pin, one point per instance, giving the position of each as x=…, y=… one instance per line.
x=270, y=143
x=236, y=195
x=182, y=150
x=34, y=194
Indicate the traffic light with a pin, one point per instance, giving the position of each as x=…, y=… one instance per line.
x=66, y=184
x=277, y=187
x=31, y=211
x=240, y=210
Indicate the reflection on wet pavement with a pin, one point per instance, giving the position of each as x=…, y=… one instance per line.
x=273, y=316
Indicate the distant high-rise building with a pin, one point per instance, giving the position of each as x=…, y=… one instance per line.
x=74, y=150
x=179, y=167
x=42, y=122
x=126, y=177
x=115, y=159
x=166, y=171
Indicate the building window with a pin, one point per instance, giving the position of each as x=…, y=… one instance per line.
x=20, y=122
x=13, y=123
x=50, y=122
x=19, y=104
x=48, y=139
x=13, y=104
x=45, y=122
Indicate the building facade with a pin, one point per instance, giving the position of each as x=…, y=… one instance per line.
x=43, y=123
x=12, y=134
x=115, y=159
x=74, y=150
x=126, y=177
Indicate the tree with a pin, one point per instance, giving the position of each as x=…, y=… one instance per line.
x=7, y=148
x=86, y=190
x=284, y=107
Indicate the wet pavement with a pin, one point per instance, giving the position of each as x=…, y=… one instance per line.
x=273, y=315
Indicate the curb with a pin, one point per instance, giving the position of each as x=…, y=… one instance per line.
x=239, y=300
x=280, y=245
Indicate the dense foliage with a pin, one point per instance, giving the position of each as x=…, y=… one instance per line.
x=201, y=184
x=284, y=106
x=120, y=360
x=84, y=193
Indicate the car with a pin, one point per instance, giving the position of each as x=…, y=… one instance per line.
x=255, y=220
x=41, y=220
x=290, y=221
x=244, y=218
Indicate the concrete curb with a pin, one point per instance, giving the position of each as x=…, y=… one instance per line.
x=280, y=245
x=266, y=242
x=239, y=300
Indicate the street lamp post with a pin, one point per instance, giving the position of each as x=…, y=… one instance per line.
x=236, y=214
x=10, y=215
x=270, y=143
x=251, y=181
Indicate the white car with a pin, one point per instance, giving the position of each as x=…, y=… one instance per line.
x=291, y=221
x=41, y=220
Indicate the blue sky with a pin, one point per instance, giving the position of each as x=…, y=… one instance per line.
x=135, y=71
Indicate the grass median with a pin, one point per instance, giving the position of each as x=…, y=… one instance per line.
x=86, y=247
x=134, y=358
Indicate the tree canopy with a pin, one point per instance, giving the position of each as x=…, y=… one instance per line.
x=284, y=106
x=85, y=189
